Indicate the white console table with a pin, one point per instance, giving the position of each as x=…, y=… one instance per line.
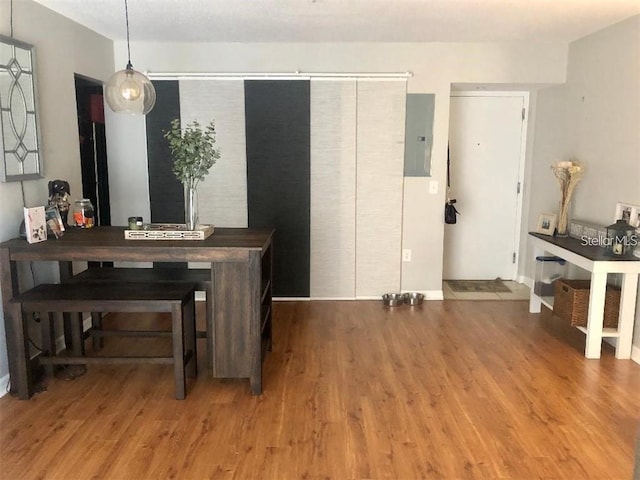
x=594, y=260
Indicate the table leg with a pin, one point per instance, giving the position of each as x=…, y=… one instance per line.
x=596, y=314
x=211, y=327
x=236, y=318
x=65, y=270
x=23, y=381
x=535, y=304
x=255, y=319
x=627, y=314
x=9, y=288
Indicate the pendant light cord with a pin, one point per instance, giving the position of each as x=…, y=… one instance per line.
x=126, y=14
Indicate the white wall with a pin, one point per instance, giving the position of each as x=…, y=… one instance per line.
x=435, y=67
x=594, y=118
x=62, y=48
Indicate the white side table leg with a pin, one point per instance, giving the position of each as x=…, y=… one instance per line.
x=595, y=315
x=535, y=305
x=627, y=314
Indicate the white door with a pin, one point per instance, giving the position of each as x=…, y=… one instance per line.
x=485, y=141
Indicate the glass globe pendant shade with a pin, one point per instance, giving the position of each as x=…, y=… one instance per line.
x=129, y=91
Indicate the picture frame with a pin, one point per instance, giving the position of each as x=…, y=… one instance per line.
x=546, y=223
x=34, y=224
x=55, y=226
x=629, y=213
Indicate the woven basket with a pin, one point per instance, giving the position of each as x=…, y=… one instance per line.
x=571, y=303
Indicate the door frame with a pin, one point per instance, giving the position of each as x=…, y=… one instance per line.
x=101, y=204
x=523, y=154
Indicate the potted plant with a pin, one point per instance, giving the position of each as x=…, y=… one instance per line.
x=194, y=153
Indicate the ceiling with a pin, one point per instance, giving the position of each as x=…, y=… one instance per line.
x=347, y=20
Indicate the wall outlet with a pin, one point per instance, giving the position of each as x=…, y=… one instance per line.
x=433, y=187
x=406, y=255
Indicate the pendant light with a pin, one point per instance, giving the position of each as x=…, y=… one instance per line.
x=129, y=91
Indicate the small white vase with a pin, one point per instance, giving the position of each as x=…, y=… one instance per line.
x=191, y=208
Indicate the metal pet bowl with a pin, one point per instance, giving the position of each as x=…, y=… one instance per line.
x=392, y=299
x=413, y=298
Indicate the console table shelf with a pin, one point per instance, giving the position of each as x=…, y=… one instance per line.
x=594, y=260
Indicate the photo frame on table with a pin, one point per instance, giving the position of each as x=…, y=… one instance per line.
x=55, y=226
x=35, y=224
x=629, y=213
x=546, y=223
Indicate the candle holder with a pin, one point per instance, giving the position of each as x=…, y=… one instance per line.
x=621, y=239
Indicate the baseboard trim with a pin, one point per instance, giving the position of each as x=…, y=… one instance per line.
x=433, y=294
x=4, y=385
x=428, y=295
x=526, y=280
x=635, y=354
x=335, y=299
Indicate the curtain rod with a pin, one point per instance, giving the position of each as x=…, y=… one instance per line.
x=282, y=75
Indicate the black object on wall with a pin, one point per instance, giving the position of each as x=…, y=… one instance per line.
x=166, y=194
x=278, y=176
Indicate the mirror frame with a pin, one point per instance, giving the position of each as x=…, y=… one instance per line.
x=30, y=126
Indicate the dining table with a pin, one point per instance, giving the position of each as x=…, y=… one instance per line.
x=239, y=323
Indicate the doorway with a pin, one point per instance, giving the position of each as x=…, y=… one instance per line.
x=93, y=147
x=487, y=138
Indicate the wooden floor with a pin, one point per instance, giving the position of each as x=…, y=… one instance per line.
x=452, y=390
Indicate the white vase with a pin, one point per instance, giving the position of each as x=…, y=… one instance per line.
x=191, y=208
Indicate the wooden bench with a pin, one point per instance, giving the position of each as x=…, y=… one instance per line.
x=200, y=277
x=174, y=298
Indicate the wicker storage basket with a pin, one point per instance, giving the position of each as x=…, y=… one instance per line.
x=571, y=303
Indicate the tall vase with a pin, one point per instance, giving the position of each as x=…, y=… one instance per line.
x=191, y=208
x=563, y=220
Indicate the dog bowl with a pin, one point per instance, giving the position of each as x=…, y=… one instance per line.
x=413, y=298
x=392, y=299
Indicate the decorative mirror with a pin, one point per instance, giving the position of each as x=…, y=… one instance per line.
x=19, y=143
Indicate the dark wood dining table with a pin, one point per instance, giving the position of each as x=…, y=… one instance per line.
x=239, y=323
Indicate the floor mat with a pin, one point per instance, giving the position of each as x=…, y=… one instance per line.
x=481, y=286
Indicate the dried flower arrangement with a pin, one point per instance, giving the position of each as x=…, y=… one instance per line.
x=568, y=173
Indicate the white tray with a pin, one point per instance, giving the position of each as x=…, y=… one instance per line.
x=168, y=231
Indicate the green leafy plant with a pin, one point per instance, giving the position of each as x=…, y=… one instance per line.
x=193, y=150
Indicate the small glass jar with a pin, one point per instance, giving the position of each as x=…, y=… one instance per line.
x=135, y=223
x=83, y=213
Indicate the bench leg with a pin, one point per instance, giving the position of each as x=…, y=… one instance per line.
x=77, y=343
x=189, y=315
x=68, y=331
x=96, y=325
x=178, y=352
x=48, y=339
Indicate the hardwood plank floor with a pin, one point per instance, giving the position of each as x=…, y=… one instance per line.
x=451, y=390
